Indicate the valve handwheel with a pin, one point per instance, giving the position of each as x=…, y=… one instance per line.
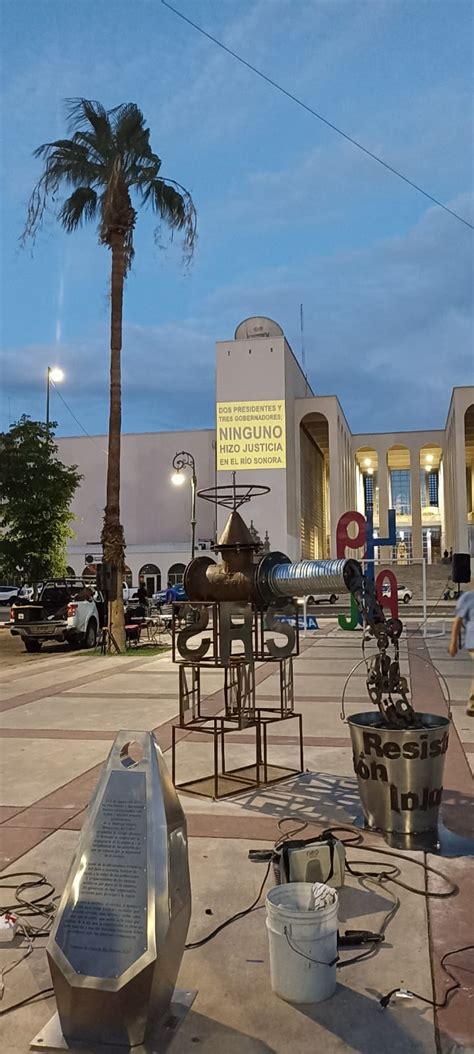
x=233, y=495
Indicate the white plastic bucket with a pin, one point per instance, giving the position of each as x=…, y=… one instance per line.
x=303, y=942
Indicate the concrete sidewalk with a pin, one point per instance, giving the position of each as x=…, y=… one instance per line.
x=57, y=721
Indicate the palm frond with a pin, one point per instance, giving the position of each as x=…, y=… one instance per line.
x=174, y=205
x=93, y=147
x=67, y=160
x=84, y=113
x=81, y=205
x=132, y=141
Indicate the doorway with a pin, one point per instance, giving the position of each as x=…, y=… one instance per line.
x=152, y=575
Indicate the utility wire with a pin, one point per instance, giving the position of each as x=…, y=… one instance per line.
x=77, y=419
x=299, y=102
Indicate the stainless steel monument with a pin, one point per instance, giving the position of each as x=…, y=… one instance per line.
x=119, y=935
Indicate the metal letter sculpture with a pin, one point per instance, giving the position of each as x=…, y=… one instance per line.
x=119, y=935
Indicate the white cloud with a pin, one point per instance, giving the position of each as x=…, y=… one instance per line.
x=388, y=329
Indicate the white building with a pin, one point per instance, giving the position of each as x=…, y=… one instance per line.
x=272, y=430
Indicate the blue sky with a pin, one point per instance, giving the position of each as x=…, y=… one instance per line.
x=288, y=212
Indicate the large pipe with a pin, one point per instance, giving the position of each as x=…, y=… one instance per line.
x=309, y=576
x=272, y=579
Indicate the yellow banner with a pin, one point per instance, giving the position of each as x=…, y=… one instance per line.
x=251, y=435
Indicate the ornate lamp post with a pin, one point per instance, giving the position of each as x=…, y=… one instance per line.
x=181, y=461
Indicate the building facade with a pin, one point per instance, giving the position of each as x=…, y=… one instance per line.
x=273, y=430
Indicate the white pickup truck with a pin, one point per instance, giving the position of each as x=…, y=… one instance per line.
x=67, y=609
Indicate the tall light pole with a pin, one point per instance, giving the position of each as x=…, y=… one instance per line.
x=180, y=461
x=54, y=374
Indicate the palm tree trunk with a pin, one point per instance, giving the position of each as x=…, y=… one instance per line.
x=113, y=539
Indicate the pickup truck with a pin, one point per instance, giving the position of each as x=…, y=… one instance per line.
x=67, y=609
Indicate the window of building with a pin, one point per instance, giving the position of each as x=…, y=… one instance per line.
x=401, y=490
x=433, y=488
x=176, y=574
x=369, y=493
x=429, y=489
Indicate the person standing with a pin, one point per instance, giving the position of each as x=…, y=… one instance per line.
x=463, y=624
x=142, y=592
x=170, y=594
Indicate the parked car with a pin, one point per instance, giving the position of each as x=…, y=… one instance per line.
x=181, y=596
x=10, y=593
x=322, y=598
x=67, y=609
x=404, y=593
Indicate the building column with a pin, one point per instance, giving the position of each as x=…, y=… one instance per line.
x=336, y=503
x=416, y=524
x=460, y=544
x=384, y=497
x=441, y=503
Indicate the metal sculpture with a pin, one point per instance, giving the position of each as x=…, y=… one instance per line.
x=268, y=583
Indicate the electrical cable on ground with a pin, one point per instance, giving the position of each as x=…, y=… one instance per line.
x=233, y=918
x=42, y=905
x=408, y=994
x=314, y=113
x=390, y=873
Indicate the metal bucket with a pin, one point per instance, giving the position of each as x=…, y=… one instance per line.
x=400, y=771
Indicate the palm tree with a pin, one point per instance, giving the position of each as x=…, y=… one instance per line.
x=107, y=157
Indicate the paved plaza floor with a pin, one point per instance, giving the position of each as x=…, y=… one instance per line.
x=58, y=717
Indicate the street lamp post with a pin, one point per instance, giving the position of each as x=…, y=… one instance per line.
x=56, y=376
x=180, y=461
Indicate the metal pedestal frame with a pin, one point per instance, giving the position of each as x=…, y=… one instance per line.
x=221, y=783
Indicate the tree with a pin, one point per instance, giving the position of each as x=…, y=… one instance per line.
x=107, y=157
x=36, y=491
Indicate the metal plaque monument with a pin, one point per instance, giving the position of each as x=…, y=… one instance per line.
x=119, y=935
